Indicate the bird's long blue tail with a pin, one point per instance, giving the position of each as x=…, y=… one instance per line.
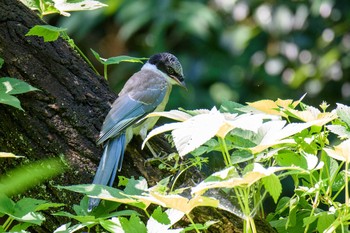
x=111, y=161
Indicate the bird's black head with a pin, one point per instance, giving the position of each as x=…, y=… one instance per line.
x=170, y=65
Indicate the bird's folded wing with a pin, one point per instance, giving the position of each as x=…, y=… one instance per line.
x=128, y=109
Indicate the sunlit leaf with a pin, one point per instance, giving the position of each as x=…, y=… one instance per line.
x=183, y=204
x=267, y=106
x=196, y=130
x=339, y=130
x=112, y=225
x=173, y=114
x=343, y=112
x=340, y=152
x=233, y=180
x=277, y=132
x=63, y=6
x=273, y=133
x=106, y=193
x=67, y=228
x=275, y=107
x=9, y=155
x=313, y=114
x=161, y=129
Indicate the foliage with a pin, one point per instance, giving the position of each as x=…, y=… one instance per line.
x=251, y=50
x=136, y=193
x=26, y=212
x=261, y=143
x=115, y=60
x=10, y=87
x=48, y=32
x=46, y=7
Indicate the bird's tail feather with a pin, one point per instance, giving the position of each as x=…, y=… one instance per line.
x=111, y=161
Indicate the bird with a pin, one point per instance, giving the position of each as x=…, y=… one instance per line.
x=145, y=91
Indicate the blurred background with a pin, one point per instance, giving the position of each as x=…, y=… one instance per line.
x=244, y=50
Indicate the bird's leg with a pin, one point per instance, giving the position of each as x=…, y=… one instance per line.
x=155, y=155
x=143, y=134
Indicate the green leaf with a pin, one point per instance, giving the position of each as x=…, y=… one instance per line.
x=132, y=186
x=48, y=32
x=133, y=225
x=21, y=227
x=339, y=181
x=203, y=227
x=293, y=208
x=6, y=204
x=25, y=177
x=273, y=185
x=324, y=221
x=117, y=59
x=162, y=221
x=310, y=219
x=66, y=228
x=240, y=156
x=282, y=204
x=14, y=86
x=112, y=225
x=230, y=107
x=290, y=158
x=160, y=216
x=10, y=100
x=25, y=210
x=82, y=219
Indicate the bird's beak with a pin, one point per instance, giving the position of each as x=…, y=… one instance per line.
x=180, y=81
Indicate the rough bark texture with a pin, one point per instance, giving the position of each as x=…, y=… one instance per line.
x=65, y=116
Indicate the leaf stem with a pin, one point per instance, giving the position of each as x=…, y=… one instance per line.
x=74, y=46
x=179, y=174
x=7, y=223
x=105, y=71
x=346, y=186
x=225, y=152
x=194, y=225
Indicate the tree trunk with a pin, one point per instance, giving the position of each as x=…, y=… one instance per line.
x=65, y=117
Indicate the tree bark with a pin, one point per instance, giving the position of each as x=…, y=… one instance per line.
x=65, y=117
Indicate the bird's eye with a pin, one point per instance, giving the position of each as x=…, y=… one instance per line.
x=170, y=70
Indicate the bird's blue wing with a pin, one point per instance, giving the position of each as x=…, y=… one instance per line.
x=139, y=100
